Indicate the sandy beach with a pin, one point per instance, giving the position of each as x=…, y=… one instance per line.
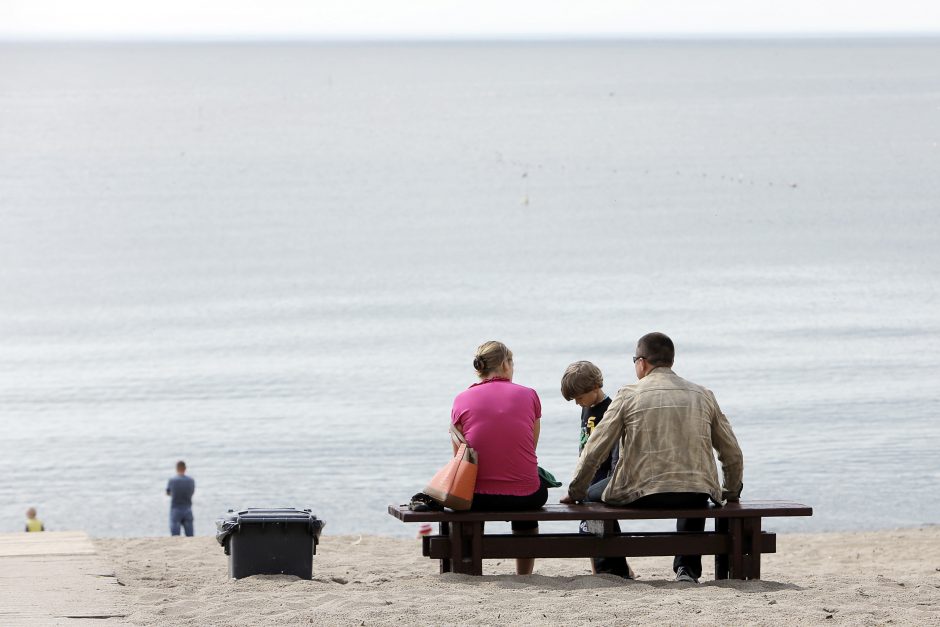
x=864, y=578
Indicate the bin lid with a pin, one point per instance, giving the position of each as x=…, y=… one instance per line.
x=231, y=522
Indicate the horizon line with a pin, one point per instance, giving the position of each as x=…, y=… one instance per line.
x=477, y=38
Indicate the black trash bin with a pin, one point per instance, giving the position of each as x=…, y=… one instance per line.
x=269, y=541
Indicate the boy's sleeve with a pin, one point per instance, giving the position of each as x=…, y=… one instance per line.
x=605, y=436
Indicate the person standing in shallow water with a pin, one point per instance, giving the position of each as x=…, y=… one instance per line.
x=180, y=489
x=500, y=419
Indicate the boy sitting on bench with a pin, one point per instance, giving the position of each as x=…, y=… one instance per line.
x=583, y=383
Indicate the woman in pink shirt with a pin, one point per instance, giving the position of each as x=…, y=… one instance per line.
x=500, y=419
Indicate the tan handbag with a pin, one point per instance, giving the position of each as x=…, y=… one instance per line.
x=453, y=484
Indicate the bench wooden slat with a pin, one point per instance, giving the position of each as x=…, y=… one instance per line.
x=504, y=546
x=599, y=511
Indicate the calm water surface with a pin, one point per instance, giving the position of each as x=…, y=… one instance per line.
x=275, y=262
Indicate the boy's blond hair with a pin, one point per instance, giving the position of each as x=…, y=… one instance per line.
x=580, y=378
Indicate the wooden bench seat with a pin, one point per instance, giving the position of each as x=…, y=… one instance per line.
x=737, y=541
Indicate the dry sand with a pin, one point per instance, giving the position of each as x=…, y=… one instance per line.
x=871, y=578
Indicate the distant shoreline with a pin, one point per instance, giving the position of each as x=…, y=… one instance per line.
x=627, y=39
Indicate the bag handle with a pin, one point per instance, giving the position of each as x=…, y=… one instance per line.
x=462, y=445
x=457, y=436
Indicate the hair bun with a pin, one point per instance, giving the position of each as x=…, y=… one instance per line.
x=479, y=364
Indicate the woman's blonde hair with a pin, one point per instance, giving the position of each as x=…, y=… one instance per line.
x=489, y=357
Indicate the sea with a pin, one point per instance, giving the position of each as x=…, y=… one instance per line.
x=275, y=261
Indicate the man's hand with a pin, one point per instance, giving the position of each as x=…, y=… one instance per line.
x=567, y=500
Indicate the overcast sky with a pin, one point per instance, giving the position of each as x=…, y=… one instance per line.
x=458, y=18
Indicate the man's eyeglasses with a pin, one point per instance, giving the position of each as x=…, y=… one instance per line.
x=637, y=358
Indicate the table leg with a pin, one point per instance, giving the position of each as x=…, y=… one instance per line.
x=737, y=549
x=721, y=559
x=457, y=548
x=466, y=548
x=444, y=530
x=752, y=537
x=476, y=548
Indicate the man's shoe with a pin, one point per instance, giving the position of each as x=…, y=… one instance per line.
x=684, y=576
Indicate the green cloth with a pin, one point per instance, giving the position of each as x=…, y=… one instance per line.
x=548, y=478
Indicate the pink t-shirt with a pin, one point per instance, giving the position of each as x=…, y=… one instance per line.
x=497, y=418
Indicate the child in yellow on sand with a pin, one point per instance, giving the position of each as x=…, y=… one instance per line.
x=33, y=523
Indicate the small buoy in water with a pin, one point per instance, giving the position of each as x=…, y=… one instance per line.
x=424, y=530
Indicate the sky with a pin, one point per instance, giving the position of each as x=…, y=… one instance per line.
x=442, y=19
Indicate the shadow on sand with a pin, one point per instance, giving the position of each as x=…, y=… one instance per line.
x=593, y=582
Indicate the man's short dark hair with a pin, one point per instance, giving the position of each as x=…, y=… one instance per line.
x=657, y=348
x=180, y=466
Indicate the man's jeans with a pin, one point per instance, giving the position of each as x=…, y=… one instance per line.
x=181, y=516
x=668, y=500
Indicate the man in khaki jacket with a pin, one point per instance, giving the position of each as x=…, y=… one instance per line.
x=667, y=428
